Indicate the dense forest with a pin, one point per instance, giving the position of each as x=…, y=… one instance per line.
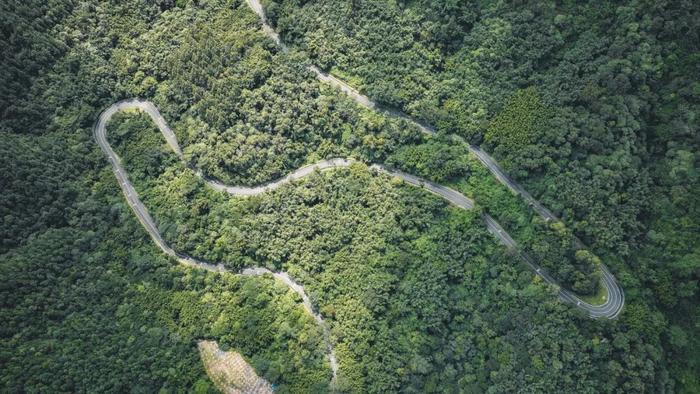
x=592, y=107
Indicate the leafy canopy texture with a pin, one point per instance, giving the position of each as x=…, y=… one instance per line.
x=593, y=106
x=521, y=123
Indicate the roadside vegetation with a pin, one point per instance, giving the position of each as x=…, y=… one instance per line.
x=396, y=272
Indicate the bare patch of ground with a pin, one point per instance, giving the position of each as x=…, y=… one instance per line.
x=229, y=372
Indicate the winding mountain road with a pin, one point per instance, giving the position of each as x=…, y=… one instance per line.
x=132, y=198
x=615, y=299
x=610, y=309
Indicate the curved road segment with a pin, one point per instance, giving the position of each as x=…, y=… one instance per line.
x=100, y=133
x=610, y=309
x=616, y=298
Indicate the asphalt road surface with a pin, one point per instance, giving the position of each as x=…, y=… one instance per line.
x=615, y=299
x=609, y=309
x=132, y=198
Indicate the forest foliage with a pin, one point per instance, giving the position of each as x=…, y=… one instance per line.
x=418, y=295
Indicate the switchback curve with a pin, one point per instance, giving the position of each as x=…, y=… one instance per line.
x=132, y=198
x=615, y=300
x=610, y=309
